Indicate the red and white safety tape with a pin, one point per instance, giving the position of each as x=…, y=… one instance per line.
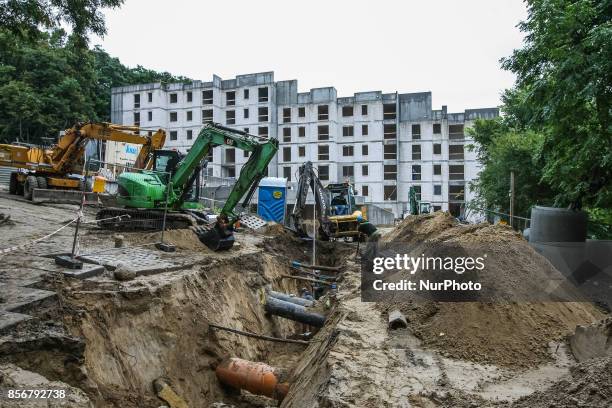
x=26, y=244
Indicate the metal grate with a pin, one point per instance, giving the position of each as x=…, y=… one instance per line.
x=252, y=221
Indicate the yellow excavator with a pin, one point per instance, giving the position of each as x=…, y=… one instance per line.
x=338, y=214
x=51, y=168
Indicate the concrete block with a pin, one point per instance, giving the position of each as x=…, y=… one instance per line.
x=141, y=261
x=88, y=271
x=592, y=341
x=18, y=298
x=8, y=319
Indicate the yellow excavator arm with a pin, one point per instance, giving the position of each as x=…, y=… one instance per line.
x=68, y=151
x=46, y=168
x=67, y=154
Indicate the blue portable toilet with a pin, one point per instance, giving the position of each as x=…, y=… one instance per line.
x=272, y=199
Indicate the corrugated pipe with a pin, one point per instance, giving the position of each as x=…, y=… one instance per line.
x=292, y=311
x=257, y=378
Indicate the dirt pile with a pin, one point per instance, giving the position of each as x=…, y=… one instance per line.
x=504, y=333
x=512, y=335
x=274, y=228
x=588, y=385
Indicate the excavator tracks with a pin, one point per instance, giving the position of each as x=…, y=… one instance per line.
x=133, y=219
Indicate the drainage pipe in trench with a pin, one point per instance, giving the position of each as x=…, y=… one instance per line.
x=294, y=312
x=292, y=299
x=257, y=378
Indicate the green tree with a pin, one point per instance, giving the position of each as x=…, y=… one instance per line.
x=45, y=87
x=503, y=150
x=20, y=107
x=49, y=83
x=563, y=92
x=28, y=17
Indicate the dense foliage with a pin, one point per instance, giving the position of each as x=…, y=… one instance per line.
x=503, y=150
x=49, y=83
x=556, y=131
x=28, y=17
x=50, y=79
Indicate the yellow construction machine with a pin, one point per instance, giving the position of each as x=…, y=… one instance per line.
x=51, y=168
x=338, y=214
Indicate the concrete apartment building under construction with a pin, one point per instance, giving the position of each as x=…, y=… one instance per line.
x=384, y=142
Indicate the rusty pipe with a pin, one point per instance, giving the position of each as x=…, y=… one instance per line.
x=257, y=378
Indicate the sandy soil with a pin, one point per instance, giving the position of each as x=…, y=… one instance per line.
x=109, y=340
x=453, y=354
x=511, y=332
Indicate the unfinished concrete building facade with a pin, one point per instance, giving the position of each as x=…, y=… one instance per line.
x=384, y=142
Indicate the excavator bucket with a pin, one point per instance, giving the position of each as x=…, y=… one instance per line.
x=213, y=239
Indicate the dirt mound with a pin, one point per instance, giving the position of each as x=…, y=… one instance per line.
x=423, y=226
x=589, y=384
x=273, y=228
x=511, y=335
x=507, y=333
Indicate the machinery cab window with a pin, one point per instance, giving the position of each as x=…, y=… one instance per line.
x=166, y=163
x=342, y=197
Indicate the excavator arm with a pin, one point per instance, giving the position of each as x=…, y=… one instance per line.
x=212, y=134
x=309, y=179
x=67, y=152
x=262, y=151
x=253, y=170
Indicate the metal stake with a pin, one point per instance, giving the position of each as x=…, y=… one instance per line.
x=70, y=261
x=166, y=208
x=161, y=245
x=78, y=222
x=314, y=235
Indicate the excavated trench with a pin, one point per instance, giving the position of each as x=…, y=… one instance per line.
x=113, y=340
x=128, y=335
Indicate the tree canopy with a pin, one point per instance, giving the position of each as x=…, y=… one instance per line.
x=49, y=82
x=503, y=150
x=29, y=17
x=563, y=91
x=50, y=78
x=556, y=130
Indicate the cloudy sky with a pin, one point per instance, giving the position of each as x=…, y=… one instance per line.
x=449, y=47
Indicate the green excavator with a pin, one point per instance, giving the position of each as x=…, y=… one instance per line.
x=417, y=207
x=173, y=186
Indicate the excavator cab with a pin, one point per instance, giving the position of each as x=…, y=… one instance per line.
x=342, y=198
x=344, y=214
x=166, y=160
x=166, y=163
